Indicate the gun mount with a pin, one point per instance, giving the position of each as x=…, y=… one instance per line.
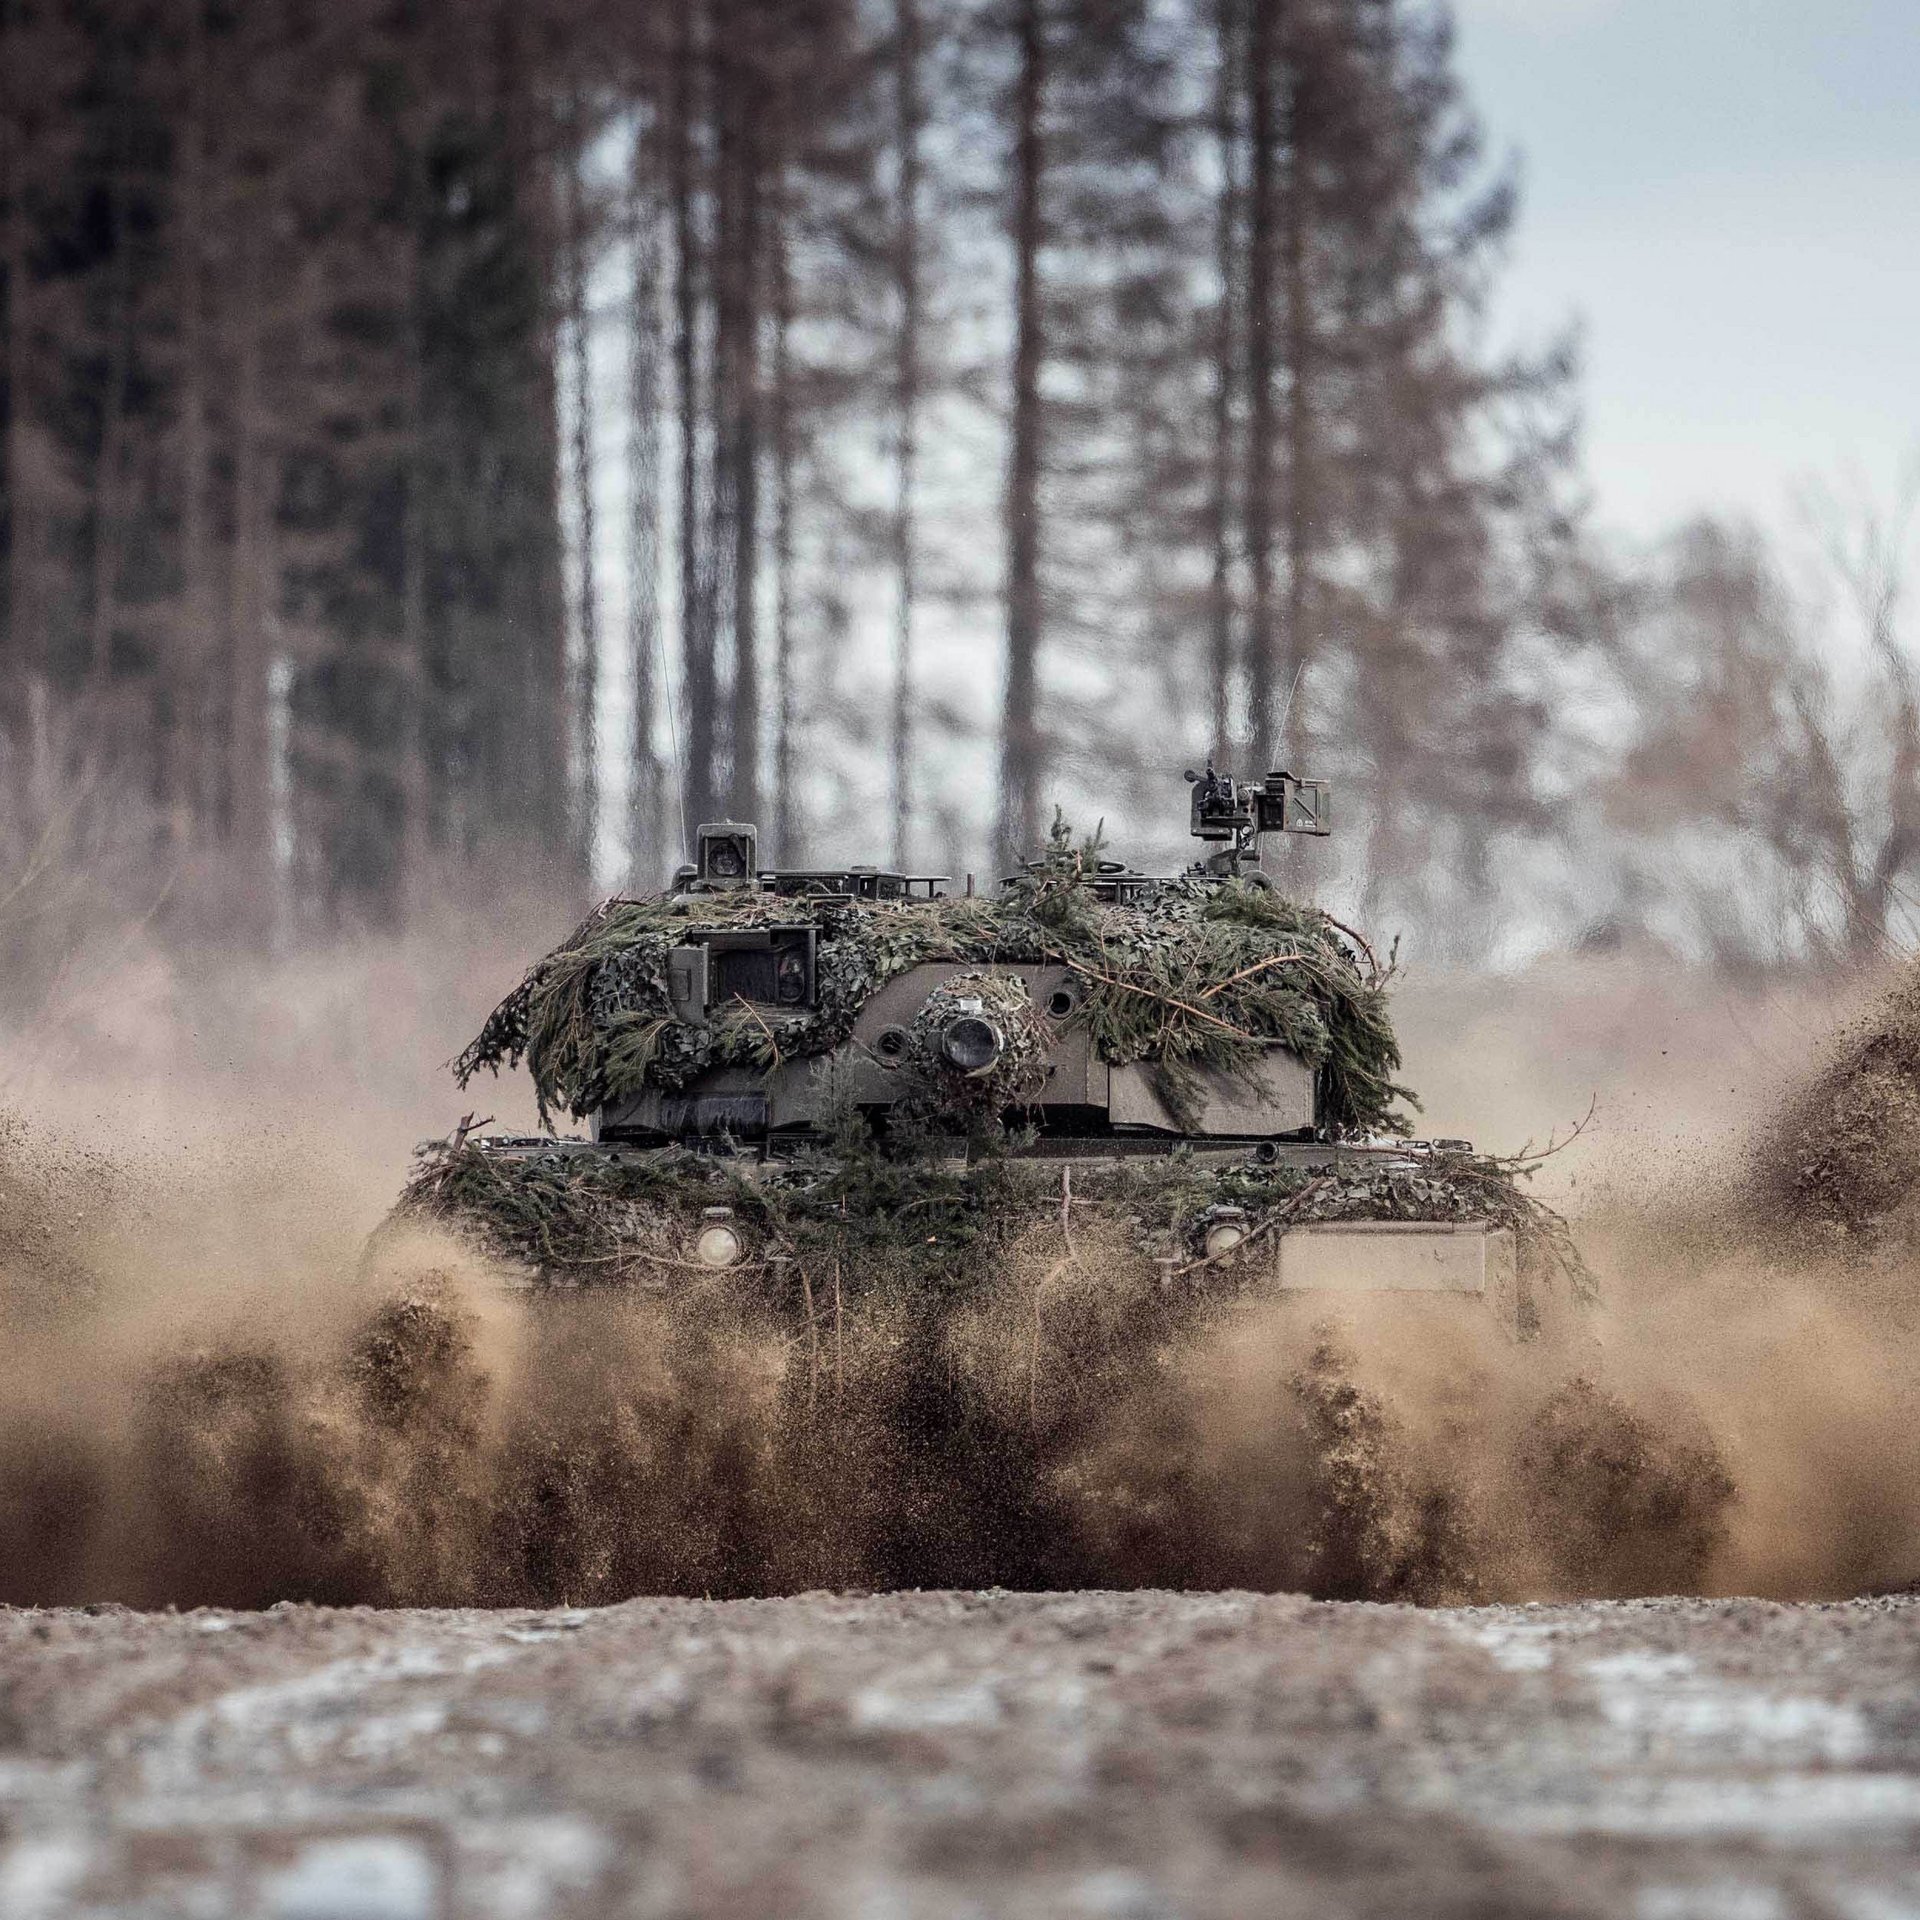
x=1235, y=813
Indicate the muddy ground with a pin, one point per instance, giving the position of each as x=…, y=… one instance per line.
x=965, y=1754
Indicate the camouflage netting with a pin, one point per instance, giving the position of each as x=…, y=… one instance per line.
x=1193, y=975
x=899, y=1221
x=1007, y=1372
x=1015, y=1075
x=1064, y=1412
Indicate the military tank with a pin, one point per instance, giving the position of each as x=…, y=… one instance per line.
x=823, y=1078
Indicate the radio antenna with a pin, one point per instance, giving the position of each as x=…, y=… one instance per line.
x=647, y=635
x=1280, y=726
x=673, y=735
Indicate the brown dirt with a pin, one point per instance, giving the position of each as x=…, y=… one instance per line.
x=950, y=1754
x=430, y=1441
x=1842, y=1156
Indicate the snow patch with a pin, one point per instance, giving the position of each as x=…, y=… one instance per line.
x=924, y=1710
x=362, y=1876
x=1723, y=1899
x=36, y=1876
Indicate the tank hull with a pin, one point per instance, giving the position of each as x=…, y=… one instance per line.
x=1319, y=1227
x=793, y=1078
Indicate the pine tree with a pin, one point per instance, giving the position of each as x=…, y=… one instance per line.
x=649, y=833
x=909, y=135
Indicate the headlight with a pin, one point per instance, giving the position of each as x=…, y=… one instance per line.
x=717, y=1244
x=1223, y=1237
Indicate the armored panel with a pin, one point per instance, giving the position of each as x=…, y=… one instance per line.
x=735, y=1101
x=850, y=883
x=687, y=988
x=1074, y=1077
x=1274, y=1096
x=1397, y=1256
x=726, y=853
x=1306, y=806
x=762, y=966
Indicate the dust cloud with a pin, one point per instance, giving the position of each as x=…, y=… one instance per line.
x=216, y=1390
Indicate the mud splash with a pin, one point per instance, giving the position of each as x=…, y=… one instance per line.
x=178, y=1429
x=208, y=1395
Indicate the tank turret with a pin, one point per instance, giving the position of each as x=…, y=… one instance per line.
x=1084, y=1005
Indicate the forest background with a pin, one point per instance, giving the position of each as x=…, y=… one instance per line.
x=447, y=448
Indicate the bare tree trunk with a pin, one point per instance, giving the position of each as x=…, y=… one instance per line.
x=585, y=688
x=1021, y=748
x=195, y=664
x=739, y=106
x=787, y=831
x=646, y=835
x=110, y=455
x=1225, y=349
x=744, y=491
x=908, y=114
x=1875, y=578
x=414, y=678
x=1261, y=167
x=536, y=760
x=723, y=378
x=1302, y=504
x=19, y=626
x=696, y=632
x=249, y=753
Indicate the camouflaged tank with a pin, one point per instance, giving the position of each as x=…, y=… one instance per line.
x=818, y=1081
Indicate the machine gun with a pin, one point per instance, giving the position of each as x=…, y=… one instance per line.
x=1235, y=813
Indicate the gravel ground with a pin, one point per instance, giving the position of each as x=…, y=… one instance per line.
x=990, y=1754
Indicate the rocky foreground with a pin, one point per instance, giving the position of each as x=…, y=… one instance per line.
x=1123, y=1755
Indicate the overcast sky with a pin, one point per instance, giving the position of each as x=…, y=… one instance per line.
x=1727, y=194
